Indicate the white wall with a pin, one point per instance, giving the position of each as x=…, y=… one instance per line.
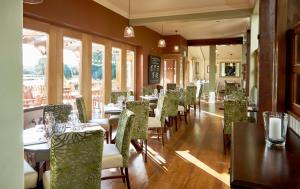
x=11, y=116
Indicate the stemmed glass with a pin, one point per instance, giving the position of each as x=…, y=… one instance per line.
x=73, y=121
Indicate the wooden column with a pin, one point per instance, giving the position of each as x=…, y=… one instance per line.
x=107, y=72
x=85, y=76
x=248, y=54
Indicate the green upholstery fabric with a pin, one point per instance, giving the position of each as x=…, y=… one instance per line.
x=60, y=112
x=171, y=86
x=229, y=88
x=188, y=96
x=239, y=94
x=148, y=91
x=141, y=111
x=123, y=135
x=234, y=111
x=171, y=103
x=75, y=160
x=81, y=110
x=115, y=95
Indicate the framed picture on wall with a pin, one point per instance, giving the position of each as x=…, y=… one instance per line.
x=154, y=69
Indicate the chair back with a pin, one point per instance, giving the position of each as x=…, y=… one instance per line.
x=141, y=111
x=234, y=111
x=123, y=135
x=116, y=94
x=75, y=160
x=171, y=86
x=160, y=112
x=81, y=110
x=60, y=112
x=172, y=102
x=148, y=91
x=229, y=88
x=190, y=95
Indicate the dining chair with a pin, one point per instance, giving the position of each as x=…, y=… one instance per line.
x=75, y=160
x=117, y=155
x=140, y=126
x=147, y=91
x=187, y=99
x=171, y=86
x=158, y=122
x=229, y=88
x=83, y=117
x=30, y=176
x=234, y=111
x=114, y=95
x=172, y=102
x=60, y=112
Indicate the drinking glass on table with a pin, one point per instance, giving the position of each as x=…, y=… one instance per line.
x=73, y=121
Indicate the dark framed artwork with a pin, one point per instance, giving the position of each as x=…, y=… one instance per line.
x=154, y=69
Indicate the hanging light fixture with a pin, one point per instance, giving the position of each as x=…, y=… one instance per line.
x=162, y=42
x=129, y=31
x=176, y=47
x=33, y=1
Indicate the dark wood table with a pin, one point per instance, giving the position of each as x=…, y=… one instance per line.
x=254, y=165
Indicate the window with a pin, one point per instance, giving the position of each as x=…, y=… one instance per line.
x=116, y=69
x=97, y=78
x=130, y=70
x=35, y=60
x=72, y=61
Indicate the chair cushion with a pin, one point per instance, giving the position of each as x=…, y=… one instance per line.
x=111, y=158
x=104, y=123
x=114, y=119
x=46, y=180
x=153, y=123
x=30, y=176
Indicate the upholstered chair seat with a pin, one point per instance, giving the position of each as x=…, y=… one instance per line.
x=111, y=157
x=153, y=123
x=104, y=123
x=181, y=108
x=30, y=176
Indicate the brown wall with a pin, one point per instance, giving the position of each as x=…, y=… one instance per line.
x=92, y=18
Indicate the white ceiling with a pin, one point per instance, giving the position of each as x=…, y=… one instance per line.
x=190, y=29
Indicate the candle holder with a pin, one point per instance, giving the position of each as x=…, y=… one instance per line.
x=275, y=124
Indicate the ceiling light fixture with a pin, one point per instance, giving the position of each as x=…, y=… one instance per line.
x=129, y=31
x=33, y=1
x=176, y=47
x=162, y=42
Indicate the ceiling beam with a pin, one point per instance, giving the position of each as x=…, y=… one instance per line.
x=220, y=41
x=217, y=15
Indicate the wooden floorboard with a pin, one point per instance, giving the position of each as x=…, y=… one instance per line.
x=191, y=158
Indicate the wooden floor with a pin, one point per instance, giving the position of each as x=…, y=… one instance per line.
x=191, y=158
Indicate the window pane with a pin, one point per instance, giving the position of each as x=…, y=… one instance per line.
x=72, y=61
x=35, y=59
x=97, y=78
x=116, y=69
x=130, y=70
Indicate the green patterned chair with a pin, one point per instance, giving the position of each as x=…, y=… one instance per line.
x=117, y=155
x=172, y=102
x=147, y=91
x=171, y=86
x=229, y=88
x=60, y=112
x=158, y=122
x=116, y=94
x=83, y=117
x=140, y=128
x=239, y=94
x=187, y=99
x=75, y=161
x=234, y=111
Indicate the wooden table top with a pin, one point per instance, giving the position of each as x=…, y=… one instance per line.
x=254, y=165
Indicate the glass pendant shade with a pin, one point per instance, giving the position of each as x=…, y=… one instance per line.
x=129, y=32
x=176, y=48
x=161, y=43
x=33, y=1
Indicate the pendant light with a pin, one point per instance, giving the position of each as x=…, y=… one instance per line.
x=176, y=47
x=129, y=31
x=33, y=1
x=162, y=42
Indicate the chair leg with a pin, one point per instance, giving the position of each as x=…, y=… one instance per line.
x=199, y=106
x=127, y=177
x=195, y=109
x=107, y=136
x=110, y=133
x=185, y=117
x=162, y=135
x=175, y=123
x=179, y=116
x=146, y=150
x=122, y=173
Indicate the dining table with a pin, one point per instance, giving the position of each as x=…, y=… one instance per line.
x=112, y=109
x=149, y=97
